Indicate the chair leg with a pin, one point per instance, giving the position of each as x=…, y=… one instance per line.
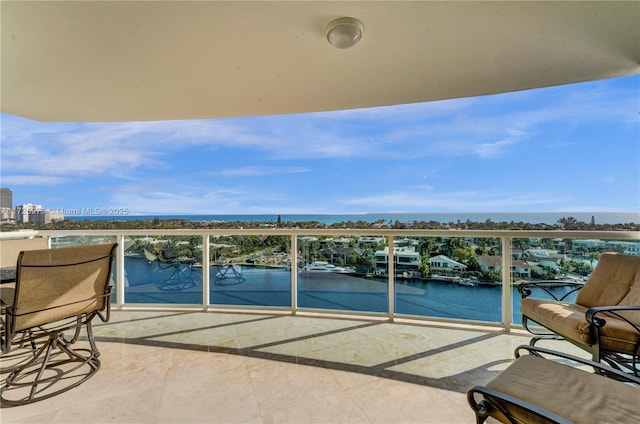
x=536, y=339
x=36, y=379
x=21, y=351
x=92, y=341
x=627, y=363
x=479, y=407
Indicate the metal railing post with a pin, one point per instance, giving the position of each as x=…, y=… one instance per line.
x=120, y=274
x=506, y=284
x=391, y=271
x=294, y=274
x=206, y=271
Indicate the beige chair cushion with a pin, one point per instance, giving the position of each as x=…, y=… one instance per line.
x=611, y=280
x=9, y=249
x=576, y=395
x=632, y=299
x=7, y=293
x=566, y=319
x=618, y=336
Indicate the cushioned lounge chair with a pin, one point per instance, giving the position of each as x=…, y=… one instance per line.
x=605, y=317
x=56, y=290
x=537, y=389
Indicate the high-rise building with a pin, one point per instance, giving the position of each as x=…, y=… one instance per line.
x=24, y=213
x=36, y=215
x=6, y=205
x=6, y=198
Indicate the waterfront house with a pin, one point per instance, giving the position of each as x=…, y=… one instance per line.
x=490, y=263
x=579, y=245
x=405, y=258
x=626, y=247
x=446, y=265
x=519, y=268
x=331, y=253
x=371, y=242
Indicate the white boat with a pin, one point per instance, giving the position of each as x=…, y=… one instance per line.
x=323, y=266
x=469, y=282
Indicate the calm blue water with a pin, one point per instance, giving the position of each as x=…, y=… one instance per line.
x=150, y=284
x=548, y=218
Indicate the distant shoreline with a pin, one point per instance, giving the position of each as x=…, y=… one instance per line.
x=548, y=218
x=604, y=221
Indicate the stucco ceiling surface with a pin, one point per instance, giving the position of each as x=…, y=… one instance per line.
x=158, y=60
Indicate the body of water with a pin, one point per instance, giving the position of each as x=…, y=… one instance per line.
x=549, y=218
x=156, y=283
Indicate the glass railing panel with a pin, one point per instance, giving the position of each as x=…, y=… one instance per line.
x=552, y=261
x=250, y=270
x=163, y=270
x=448, y=277
x=70, y=241
x=340, y=273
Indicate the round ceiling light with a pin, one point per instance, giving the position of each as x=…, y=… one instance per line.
x=344, y=32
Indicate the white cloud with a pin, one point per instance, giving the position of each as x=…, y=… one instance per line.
x=492, y=150
x=40, y=180
x=220, y=201
x=453, y=127
x=252, y=171
x=561, y=145
x=467, y=201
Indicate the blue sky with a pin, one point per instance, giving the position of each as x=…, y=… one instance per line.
x=558, y=149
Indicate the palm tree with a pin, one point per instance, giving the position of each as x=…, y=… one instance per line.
x=568, y=223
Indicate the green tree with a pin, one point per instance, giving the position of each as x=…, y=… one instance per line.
x=473, y=264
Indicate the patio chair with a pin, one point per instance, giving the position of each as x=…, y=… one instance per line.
x=604, y=319
x=56, y=290
x=537, y=389
x=9, y=251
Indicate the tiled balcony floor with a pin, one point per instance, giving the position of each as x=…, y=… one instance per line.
x=211, y=367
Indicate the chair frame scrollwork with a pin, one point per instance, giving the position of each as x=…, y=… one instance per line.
x=596, y=317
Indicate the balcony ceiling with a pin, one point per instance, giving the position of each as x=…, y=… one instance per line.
x=132, y=61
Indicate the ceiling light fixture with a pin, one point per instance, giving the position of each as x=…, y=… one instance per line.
x=344, y=32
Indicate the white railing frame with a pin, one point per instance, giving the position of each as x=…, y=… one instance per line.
x=506, y=237
x=507, y=313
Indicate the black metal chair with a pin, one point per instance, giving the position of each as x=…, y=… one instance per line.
x=545, y=386
x=56, y=290
x=604, y=319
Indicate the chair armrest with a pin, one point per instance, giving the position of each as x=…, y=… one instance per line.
x=596, y=321
x=107, y=298
x=598, y=366
x=488, y=403
x=526, y=289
